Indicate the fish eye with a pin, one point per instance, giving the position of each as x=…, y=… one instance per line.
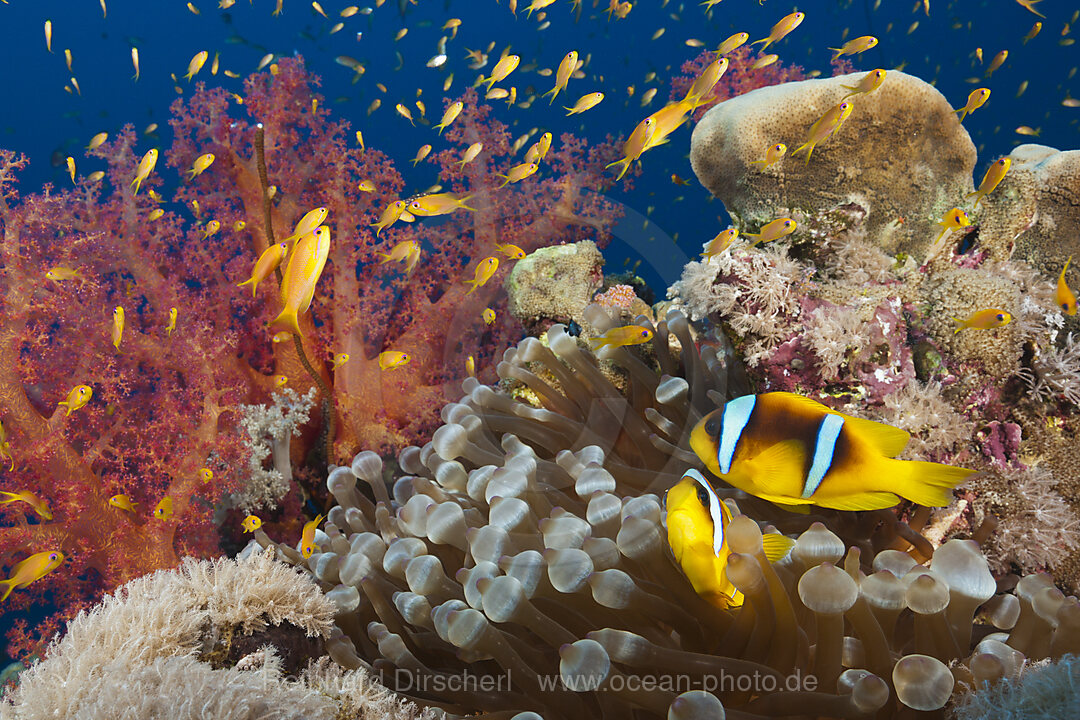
x=1001, y=317
x=712, y=427
x=702, y=496
x=645, y=333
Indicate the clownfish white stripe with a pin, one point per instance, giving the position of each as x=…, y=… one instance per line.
x=736, y=415
x=824, y=448
x=715, y=513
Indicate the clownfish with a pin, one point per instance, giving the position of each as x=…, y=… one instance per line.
x=794, y=451
x=697, y=521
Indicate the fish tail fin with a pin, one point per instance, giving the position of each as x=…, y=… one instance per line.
x=569, y=111
x=963, y=113
x=10, y=586
x=474, y=286
x=960, y=325
x=254, y=286
x=461, y=203
x=553, y=92
x=925, y=483
x=440, y=127
x=286, y=320
x=838, y=51
x=624, y=165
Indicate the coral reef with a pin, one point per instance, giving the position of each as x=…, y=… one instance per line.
x=1042, y=691
x=554, y=284
x=211, y=639
x=902, y=157
x=523, y=543
x=269, y=430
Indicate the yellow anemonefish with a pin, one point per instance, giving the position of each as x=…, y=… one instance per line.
x=985, y=319
x=31, y=569
x=793, y=451
x=871, y=81
x=268, y=261
x=994, y=175
x=778, y=228
x=307, y=537
x=1064, y=296
x=41, y=507
x=393, y=359
x=300, y=278
x=484, y=271
x=251, y=523
x=622, y=336
x=697, y=521
x=77, y=398
x=720, y=243
x=774, y=154
x=975, y=100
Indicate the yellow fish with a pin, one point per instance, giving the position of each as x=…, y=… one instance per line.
x=97, y=140
x=778, y=228
x=450, y=116
x=511, y=251
x=539, y=149
x=117, y=326
x=781, y=29
x=997, y=62
x=952, y=220
x=994, y=175
x=697, y=521
x=123, y=502
x=825, y=126
x=5, y=447
x=538, y=5
x=484, y=271
x=502, y=69
x=268, y=261
x=366, y=186
x=489, y=316
x=765, y=61
x=470, y=366
x=720, y=243
x=307, y=537
x=41, y=507
x=732, y=43
x=773, y=155
x=705, y=82
x=1028, y=5
x=562, y=76
x=635, y=145
x=870, y=82
x=1064, y=296
x=518, y=173
x=146, y=166
x=338, y=360
x=585, y=102
x=793, y=451
x=390, y=215
x=60, y=273
x=164, y=509
x=281, y=381
x=621, y=336
x=171, y=325
x=77, y=398
x=975, y=100
x=196, y=64
x=438, y=204
x=1032, y=32
x=985, y=319
x=201, y=163
x=48, y=35
x=155, y=214
x=422, y=153
x=470, y=154
x=71, y=168
x=31, y=569
x=211, y=227
x=393, y=359
x=407, y=251
x=855, y=46
x=206, y=474
x=300, y=278
x=251, y=523
x=311, y=220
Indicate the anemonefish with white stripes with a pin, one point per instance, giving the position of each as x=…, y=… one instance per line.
x=794, y=452
x=697, y=521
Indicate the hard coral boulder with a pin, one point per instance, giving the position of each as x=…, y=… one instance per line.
x=1035, y=211
x=902, y=154
x=554, y=284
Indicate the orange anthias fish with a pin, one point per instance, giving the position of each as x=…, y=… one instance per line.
x=300, y=278
x=307, y=537
x=267, y=263
x=393, y=359
x=774, y=154
x=855, y=46
x=511, y=251
x=975, y=100
x=307, y=224
x=697, y=521
x=720, y=243
x=705, y=82
x=450, y=116
x=5, y=448
x=994, y=175
x=622, y=336
x=871, y=81
x=778, y=228
x=562, y=75
x=146, y=166
x=407, y=251
x=781, y=29
x=123, y=502
x=41, y=507
x=438, y=204
x=390, y=215
x=985, y=319
x=585, y=102
x=1064, y=296
x=484, y=271
x=31, y=569
x=825, y=126
x=794, y=451
x=77, y=398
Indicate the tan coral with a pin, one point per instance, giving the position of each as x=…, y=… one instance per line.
x=901, y=154
x=555, y=284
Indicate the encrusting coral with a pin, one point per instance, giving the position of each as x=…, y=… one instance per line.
x=211, y=639
x=523, y=550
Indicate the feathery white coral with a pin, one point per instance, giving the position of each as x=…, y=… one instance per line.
x=924, y=412
x=269, y=429
x=1055, y=373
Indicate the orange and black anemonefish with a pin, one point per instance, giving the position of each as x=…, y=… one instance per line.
x=794, y=452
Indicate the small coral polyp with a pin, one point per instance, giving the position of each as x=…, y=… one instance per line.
x=524, y=548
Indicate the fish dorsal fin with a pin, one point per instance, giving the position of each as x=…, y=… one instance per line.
x=888, y=440
x=776, y=546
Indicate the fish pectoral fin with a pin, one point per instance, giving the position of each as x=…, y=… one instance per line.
x=781, y=461
x=888, y=440
x=870, y=500
x=777, y=546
